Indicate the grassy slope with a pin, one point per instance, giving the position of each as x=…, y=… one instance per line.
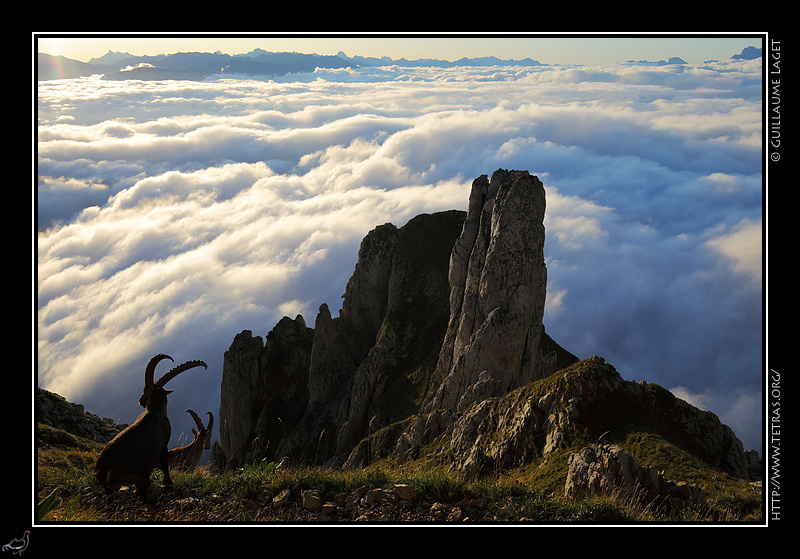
x=530, y=493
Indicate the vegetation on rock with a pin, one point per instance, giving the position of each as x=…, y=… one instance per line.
x=267, y=492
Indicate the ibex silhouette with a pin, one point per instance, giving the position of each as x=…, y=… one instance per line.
x=141, y=447
x=186, y=457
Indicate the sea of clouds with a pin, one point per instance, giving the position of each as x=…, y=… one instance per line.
x=173, y=215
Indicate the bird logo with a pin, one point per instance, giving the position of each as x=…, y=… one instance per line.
x=18, y=545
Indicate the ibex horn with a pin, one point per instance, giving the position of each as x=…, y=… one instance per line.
x=196, y=420
x=175, y=371
x=151, y=367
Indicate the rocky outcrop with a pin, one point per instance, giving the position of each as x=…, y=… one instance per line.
x=609, y=470
x=588, y=400
x=54, y=410
x=498, y=282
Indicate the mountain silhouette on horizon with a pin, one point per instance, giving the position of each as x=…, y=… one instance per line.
x=259, y=63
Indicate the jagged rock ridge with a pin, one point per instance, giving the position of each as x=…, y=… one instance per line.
x=441, y=334
x=351, y=374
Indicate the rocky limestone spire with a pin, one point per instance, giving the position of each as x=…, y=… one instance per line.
x=498, y=282
x=264, y=391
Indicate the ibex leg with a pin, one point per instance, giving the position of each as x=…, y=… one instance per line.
x=162, y=460
x=141, y=489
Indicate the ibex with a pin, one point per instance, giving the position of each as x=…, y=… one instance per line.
x=186, y=457
x=141, y=447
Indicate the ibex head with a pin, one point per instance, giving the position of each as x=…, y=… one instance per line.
x=154, y=393
x=203, y=431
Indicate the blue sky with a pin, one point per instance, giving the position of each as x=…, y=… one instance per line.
x=553, y=50
x=173, y=215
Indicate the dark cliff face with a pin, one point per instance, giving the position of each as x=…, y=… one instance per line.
x=389, y=382
x=313, y=394
x=264, y=390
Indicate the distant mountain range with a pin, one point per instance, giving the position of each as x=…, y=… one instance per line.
x=672, y=60
x=200, y=65
x=257, y=63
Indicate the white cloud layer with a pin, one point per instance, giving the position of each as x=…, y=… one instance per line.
x=173, y=215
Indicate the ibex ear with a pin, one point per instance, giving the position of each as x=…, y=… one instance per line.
x=168, y=391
